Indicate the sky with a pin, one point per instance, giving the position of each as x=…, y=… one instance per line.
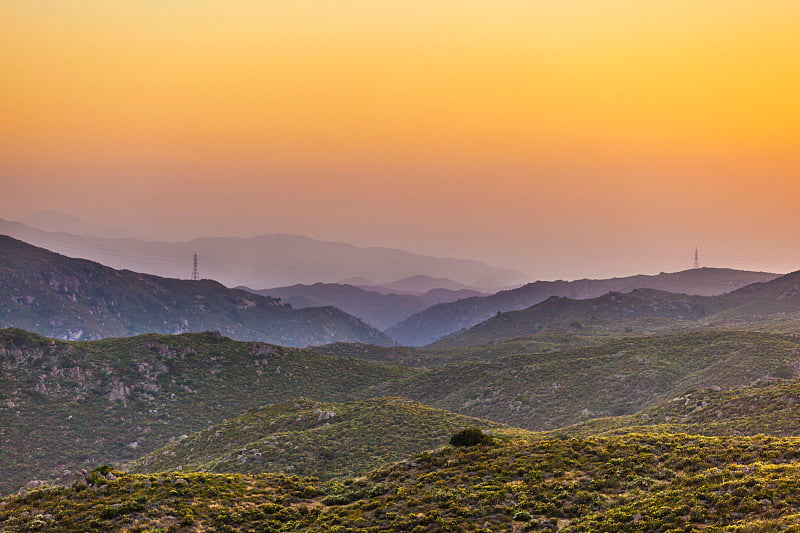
x=566, y=139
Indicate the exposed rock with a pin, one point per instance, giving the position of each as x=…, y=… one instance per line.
x=32, y=485
x=74, y=478
x=119, y=391
x=259, y=348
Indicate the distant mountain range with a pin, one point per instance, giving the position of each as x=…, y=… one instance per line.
x=753, y=303
x=262, y=261
x=444, y=319
x=67, y=298
x=378, y=309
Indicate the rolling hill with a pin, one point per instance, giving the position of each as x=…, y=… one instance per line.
x=377, y=309
x=72, y=404
x=544, y=391
x=441, y=320
x=67, y=298
x=310, y=438
x=767, y=407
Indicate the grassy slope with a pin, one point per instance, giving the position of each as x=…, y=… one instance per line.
x=302, y=438
x=549, y=390
x=77, y=299
x=555, y=339
x=769, y=407
x=655, y=483
x=66, y=404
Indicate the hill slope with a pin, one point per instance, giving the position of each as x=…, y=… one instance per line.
x=768, y=407
x=654, y=483
x=67, y=404
x=440, y=320
x=555, y=389
x=310, y=438
x=66, y=298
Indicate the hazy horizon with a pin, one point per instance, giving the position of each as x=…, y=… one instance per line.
x=567, y=140
x=164, y=235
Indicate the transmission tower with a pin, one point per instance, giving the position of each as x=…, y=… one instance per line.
x=195, y=273
x=696, y=257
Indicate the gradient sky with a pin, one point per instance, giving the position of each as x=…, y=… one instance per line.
x=568, y=139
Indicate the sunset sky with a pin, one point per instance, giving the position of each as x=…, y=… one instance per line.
x=565, y=138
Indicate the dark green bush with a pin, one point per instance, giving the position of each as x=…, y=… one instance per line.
x=470, y=437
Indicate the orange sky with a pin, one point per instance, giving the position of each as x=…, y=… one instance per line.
x=565, y=138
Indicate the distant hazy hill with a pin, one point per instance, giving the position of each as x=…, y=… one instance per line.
x=638, y=305
x=78, y=404
x=751, y=304
x=444, y=319
x=61, y=222
x=66, y=298
x=781, y=295
x=263, y=261
x=380, y=310
x=423, y=284
x=309, y=438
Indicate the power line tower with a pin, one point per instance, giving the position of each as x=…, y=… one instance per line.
x=195, y=272
x=696, y=257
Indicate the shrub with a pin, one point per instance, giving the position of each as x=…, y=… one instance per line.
x=470, y=437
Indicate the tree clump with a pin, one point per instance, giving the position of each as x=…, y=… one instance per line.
x=470, y=437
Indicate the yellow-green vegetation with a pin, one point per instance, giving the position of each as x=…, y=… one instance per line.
x=313, y=438
x=79, y=404
x=632, y=483
x=550, y=390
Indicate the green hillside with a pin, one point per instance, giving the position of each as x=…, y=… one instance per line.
x=310, y=438
x=553, y=389
x=634, y=483
x=554, y=339
x=769, y=407
x=71, y=404
x=75, y=299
